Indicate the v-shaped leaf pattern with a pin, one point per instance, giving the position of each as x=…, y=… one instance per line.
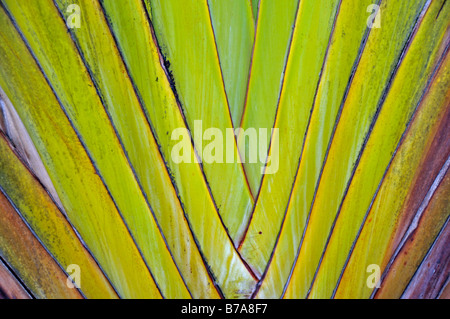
x=344, y=104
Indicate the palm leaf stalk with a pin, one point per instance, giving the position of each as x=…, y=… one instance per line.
x=348, y=99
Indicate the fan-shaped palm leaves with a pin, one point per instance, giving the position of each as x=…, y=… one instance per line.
x=349, y=101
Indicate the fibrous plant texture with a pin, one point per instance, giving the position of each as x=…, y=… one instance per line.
x=224, y=148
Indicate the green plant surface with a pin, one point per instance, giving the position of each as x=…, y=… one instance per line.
x=215, y=149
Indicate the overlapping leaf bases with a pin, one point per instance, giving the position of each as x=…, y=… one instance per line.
x=87, y=176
